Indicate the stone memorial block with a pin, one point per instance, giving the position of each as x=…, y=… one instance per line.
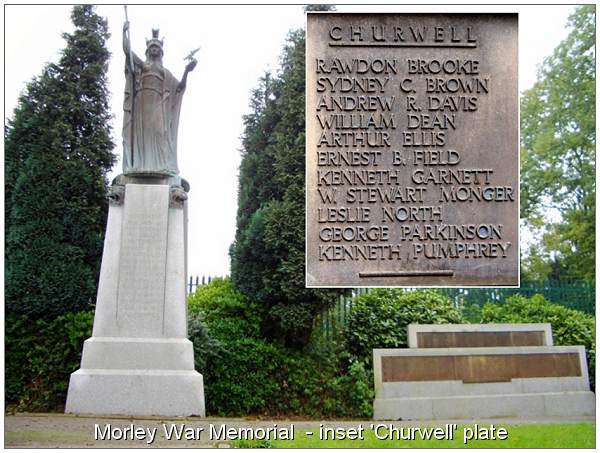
x=468, y=383
x=478, y=335
x=412, y=150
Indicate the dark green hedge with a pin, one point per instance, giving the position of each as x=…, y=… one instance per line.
x=39, y=357
x=246, y=374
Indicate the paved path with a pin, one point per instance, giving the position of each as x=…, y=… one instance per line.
x=59, y=430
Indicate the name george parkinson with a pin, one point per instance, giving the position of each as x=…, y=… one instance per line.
x=181, y=431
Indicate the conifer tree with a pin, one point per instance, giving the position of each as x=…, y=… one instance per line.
x=58, y=150
x=267, y=257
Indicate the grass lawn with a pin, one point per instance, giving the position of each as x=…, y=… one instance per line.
x=575, y=435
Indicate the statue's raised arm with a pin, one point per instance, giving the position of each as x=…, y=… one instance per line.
x=126, y=40
x=130, y=56
x=189, y=68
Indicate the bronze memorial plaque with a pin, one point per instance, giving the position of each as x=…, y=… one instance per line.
x=412, y=150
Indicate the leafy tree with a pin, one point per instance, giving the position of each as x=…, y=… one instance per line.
x=267, y=257
x=558, y=155
x=58, y=150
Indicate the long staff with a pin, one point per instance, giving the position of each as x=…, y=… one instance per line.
x=132, y=69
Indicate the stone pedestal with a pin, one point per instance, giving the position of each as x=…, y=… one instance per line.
x=139, y=360
x=474, y=371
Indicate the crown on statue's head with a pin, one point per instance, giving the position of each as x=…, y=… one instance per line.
x=154, y=41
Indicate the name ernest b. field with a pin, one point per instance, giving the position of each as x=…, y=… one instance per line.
x=180, y=431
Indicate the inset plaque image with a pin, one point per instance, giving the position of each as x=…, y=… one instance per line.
x=412, y=150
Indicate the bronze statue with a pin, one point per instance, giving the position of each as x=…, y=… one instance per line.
x=151, y=110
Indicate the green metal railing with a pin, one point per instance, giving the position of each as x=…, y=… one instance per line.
x=579, y=295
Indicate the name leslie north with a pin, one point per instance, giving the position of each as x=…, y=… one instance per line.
x=181, y=431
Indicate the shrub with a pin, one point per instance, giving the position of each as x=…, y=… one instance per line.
x=241, y=380
x=379, y=318
x=236, y=363
x=40, y=356
x=206, y=348
x=246, y=374
x=316, y=384
x=355, y=388
x=226, y=311
x=569, y=326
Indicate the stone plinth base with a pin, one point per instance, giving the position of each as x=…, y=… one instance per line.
x=136, y=376
x=137, y=354
x=136, y=392
x=139, y=361
x=486, y=406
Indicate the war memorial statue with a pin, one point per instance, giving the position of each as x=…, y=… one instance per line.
x=139, y=360
x=151, y=110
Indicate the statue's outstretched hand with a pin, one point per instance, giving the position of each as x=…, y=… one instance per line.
x=125, y=26
x=191, y=65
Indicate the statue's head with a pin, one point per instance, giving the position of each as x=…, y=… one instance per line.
x=154, y=46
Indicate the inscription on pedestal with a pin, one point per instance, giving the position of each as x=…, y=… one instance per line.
x=480, y=368
x=412, y=149
x=143, y=255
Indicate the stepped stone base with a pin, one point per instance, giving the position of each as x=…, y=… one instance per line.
x=139, y=361
x=486, y=406
x=136, y=392
x=136, y=376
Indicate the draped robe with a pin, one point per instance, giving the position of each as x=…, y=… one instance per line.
x=150, y=119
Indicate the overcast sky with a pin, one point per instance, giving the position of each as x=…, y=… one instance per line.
x=238, y=43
